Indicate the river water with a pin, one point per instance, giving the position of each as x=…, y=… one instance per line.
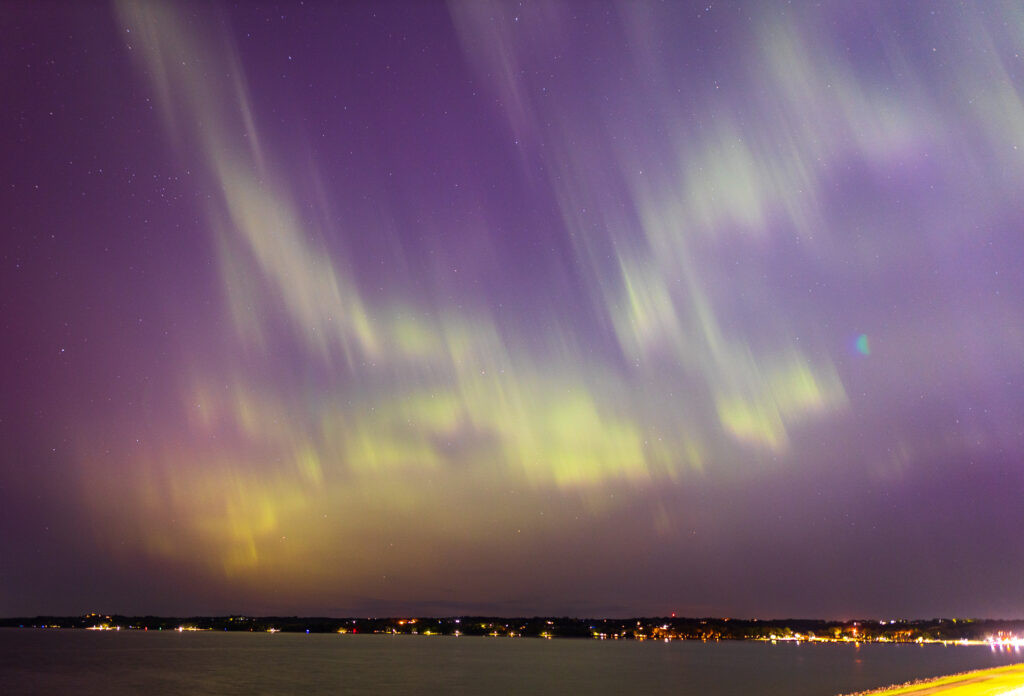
x=55, y=661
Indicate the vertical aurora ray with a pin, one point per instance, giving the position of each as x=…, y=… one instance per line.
x=423, y=393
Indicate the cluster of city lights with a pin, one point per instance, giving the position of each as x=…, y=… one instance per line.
x=1005, y=640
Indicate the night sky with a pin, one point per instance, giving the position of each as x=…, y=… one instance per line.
x=576, y=308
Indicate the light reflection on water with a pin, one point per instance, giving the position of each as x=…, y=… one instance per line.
x=110, y=663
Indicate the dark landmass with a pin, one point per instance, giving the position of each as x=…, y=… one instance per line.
x=656, y=628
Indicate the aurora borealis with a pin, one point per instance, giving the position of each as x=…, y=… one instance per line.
x=575, y=308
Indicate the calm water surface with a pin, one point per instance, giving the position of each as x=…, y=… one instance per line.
x=51, y=661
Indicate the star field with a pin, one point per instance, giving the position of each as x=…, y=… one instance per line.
x=509, y=307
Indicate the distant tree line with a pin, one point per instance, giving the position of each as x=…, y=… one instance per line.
x=659, y=628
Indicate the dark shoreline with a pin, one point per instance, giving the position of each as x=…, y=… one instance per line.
x=644, y=628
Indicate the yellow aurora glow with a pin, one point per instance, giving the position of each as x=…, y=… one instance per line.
x=427, y=418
